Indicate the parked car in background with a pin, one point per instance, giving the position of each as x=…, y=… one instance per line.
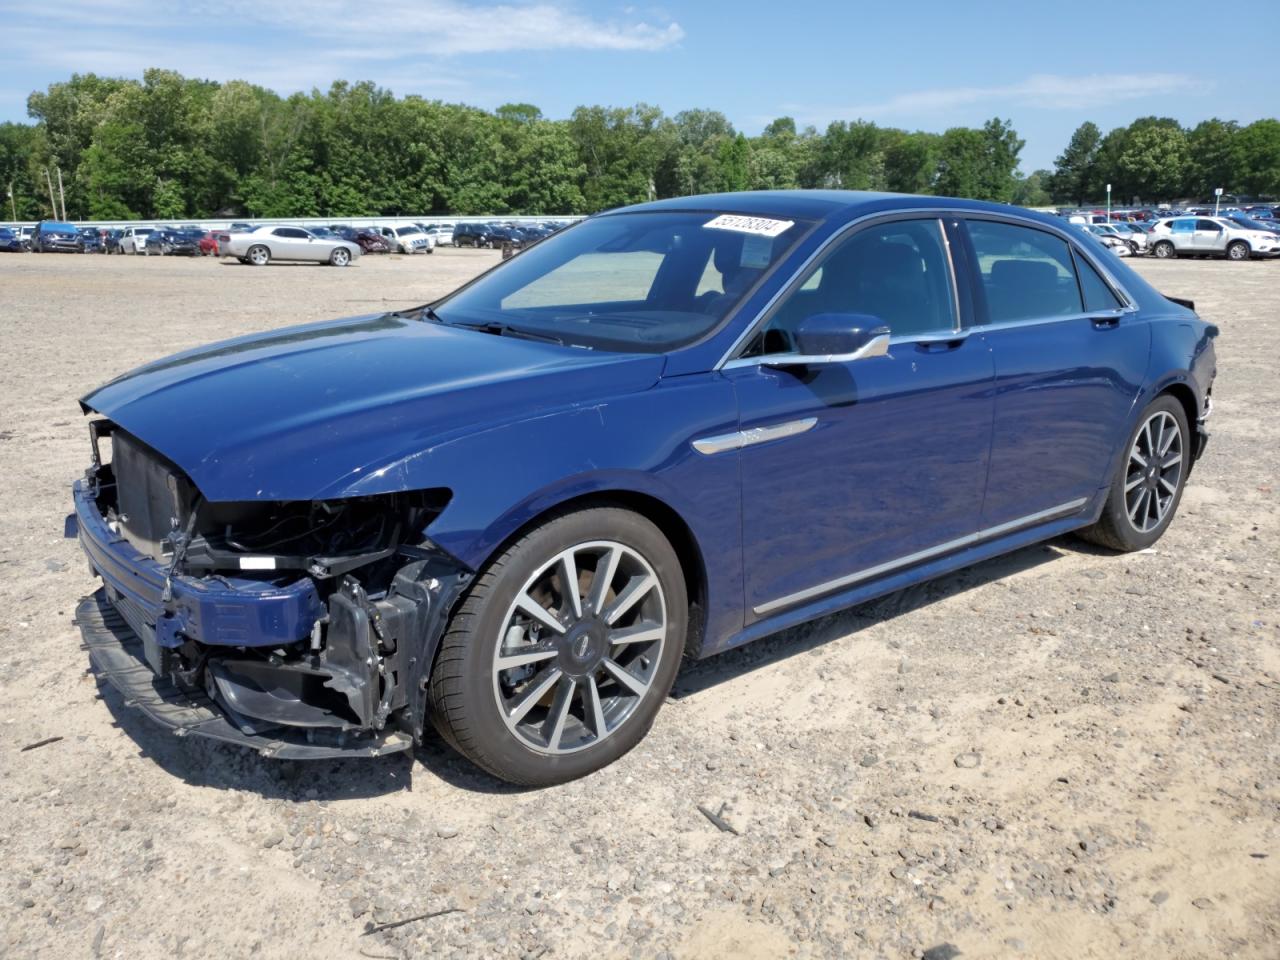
x=55, y=236
x=697, y=465
x=368, y=240
x=208, y=243
x=1136, y=238
x=441, y=233
x=134, y=239
x=406, y=239
x=111, y=240
x=264, y=244
x=1211, y=237
x=92, y=240
x=11, y=241
x=475, y=235
x=1111, y=241
x=172, y=241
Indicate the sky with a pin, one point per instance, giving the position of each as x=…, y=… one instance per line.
x=927, y=64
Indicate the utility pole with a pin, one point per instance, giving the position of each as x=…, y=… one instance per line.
x=62, y=195
x=53, y=201
x=13, y=205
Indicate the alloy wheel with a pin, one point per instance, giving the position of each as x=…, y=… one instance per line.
x=580, y=647
x=1154, y=472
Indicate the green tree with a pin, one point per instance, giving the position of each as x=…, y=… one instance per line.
x=1075, y=172
x=1258, y=158
x=1211, y=157
x=1153, y=162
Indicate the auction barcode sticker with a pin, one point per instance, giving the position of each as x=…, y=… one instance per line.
x=760, y=226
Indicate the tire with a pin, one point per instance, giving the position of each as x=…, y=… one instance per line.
x=258, y=255
x=1117, y=527
x=1238, y=250
x=1164, y=250
x=479, y=709
x=340, y=257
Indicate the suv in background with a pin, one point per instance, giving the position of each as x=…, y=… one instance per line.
x=1211, y=237
x=474, y=235
x=55, y=236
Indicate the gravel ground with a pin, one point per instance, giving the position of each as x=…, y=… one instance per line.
x=1060, y=753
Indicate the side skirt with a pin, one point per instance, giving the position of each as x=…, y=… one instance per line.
x=930, y=570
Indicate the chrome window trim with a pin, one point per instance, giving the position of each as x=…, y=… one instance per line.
x=951, y=265
x=729, y=361
x=722, y=442
x=831, y=586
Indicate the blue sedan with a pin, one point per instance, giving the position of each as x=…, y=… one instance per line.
x=661, y=433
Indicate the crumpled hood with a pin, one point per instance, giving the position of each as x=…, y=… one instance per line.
x=317, y=410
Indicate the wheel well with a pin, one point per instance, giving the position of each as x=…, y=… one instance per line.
x=673, y=528
x=1187, y=398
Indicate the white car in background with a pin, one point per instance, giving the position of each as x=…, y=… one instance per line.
x=134, y=239
x=1211, y=237
x=441, y=233
x=262, y=245
x=408, y=239
x=1137, y=239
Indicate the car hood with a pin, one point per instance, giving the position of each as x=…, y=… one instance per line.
x=330, y=409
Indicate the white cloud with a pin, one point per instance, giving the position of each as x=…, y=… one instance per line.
x=409, y=47
x=1043, y=91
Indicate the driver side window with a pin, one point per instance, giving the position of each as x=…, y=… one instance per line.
x=896, y=272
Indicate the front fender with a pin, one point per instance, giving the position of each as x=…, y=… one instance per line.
x=504, y=476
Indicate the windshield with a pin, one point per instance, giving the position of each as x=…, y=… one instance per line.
x=56, y=225
x=405, y=231
x=643, y=282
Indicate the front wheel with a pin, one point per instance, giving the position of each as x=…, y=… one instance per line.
x=1164, y=250
x=1239, y=250
x=564, y=648
x=1148, y=486
x=259, y=255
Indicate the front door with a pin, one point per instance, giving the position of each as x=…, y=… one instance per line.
x=1209, y=237
x=853, y=470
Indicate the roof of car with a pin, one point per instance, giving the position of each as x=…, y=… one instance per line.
x=812, y=204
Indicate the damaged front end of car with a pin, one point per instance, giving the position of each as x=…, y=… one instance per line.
x=301, y=629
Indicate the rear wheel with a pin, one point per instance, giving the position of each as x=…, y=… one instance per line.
x=1164, y=250
x=1238, y=250
x=565, y=647
x=259, y=255
x=340, y=257
x=1147, y=488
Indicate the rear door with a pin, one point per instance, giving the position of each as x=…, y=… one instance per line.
x=1183, y=234
x=1070, y=356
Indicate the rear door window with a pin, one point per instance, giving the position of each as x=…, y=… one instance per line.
x=1026, y=274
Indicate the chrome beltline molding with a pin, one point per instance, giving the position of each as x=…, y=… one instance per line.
x=746, y=438
x=989, y=533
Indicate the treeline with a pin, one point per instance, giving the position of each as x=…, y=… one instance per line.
x=1155, y=158
x=172, y=147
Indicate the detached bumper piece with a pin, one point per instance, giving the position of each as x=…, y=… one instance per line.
x=120, y=656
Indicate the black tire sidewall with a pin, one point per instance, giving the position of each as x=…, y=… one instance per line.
x=1132, y=538
x=501, y=752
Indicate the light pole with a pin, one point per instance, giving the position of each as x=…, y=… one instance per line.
x=13, y=206
x=1217, y=199
x=1108, y=203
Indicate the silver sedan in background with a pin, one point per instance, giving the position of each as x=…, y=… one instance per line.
x=264, y=244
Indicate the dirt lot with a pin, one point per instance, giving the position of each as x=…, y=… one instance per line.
x=1060, y=753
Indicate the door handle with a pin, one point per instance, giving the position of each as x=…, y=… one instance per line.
x=1105, y=323
x=941, y=344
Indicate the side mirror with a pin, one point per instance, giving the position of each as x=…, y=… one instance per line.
x=835, y=338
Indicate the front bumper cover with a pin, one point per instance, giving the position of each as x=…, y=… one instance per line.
x=263, y=665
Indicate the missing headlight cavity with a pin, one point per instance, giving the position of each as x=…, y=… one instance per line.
x=324, y=538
